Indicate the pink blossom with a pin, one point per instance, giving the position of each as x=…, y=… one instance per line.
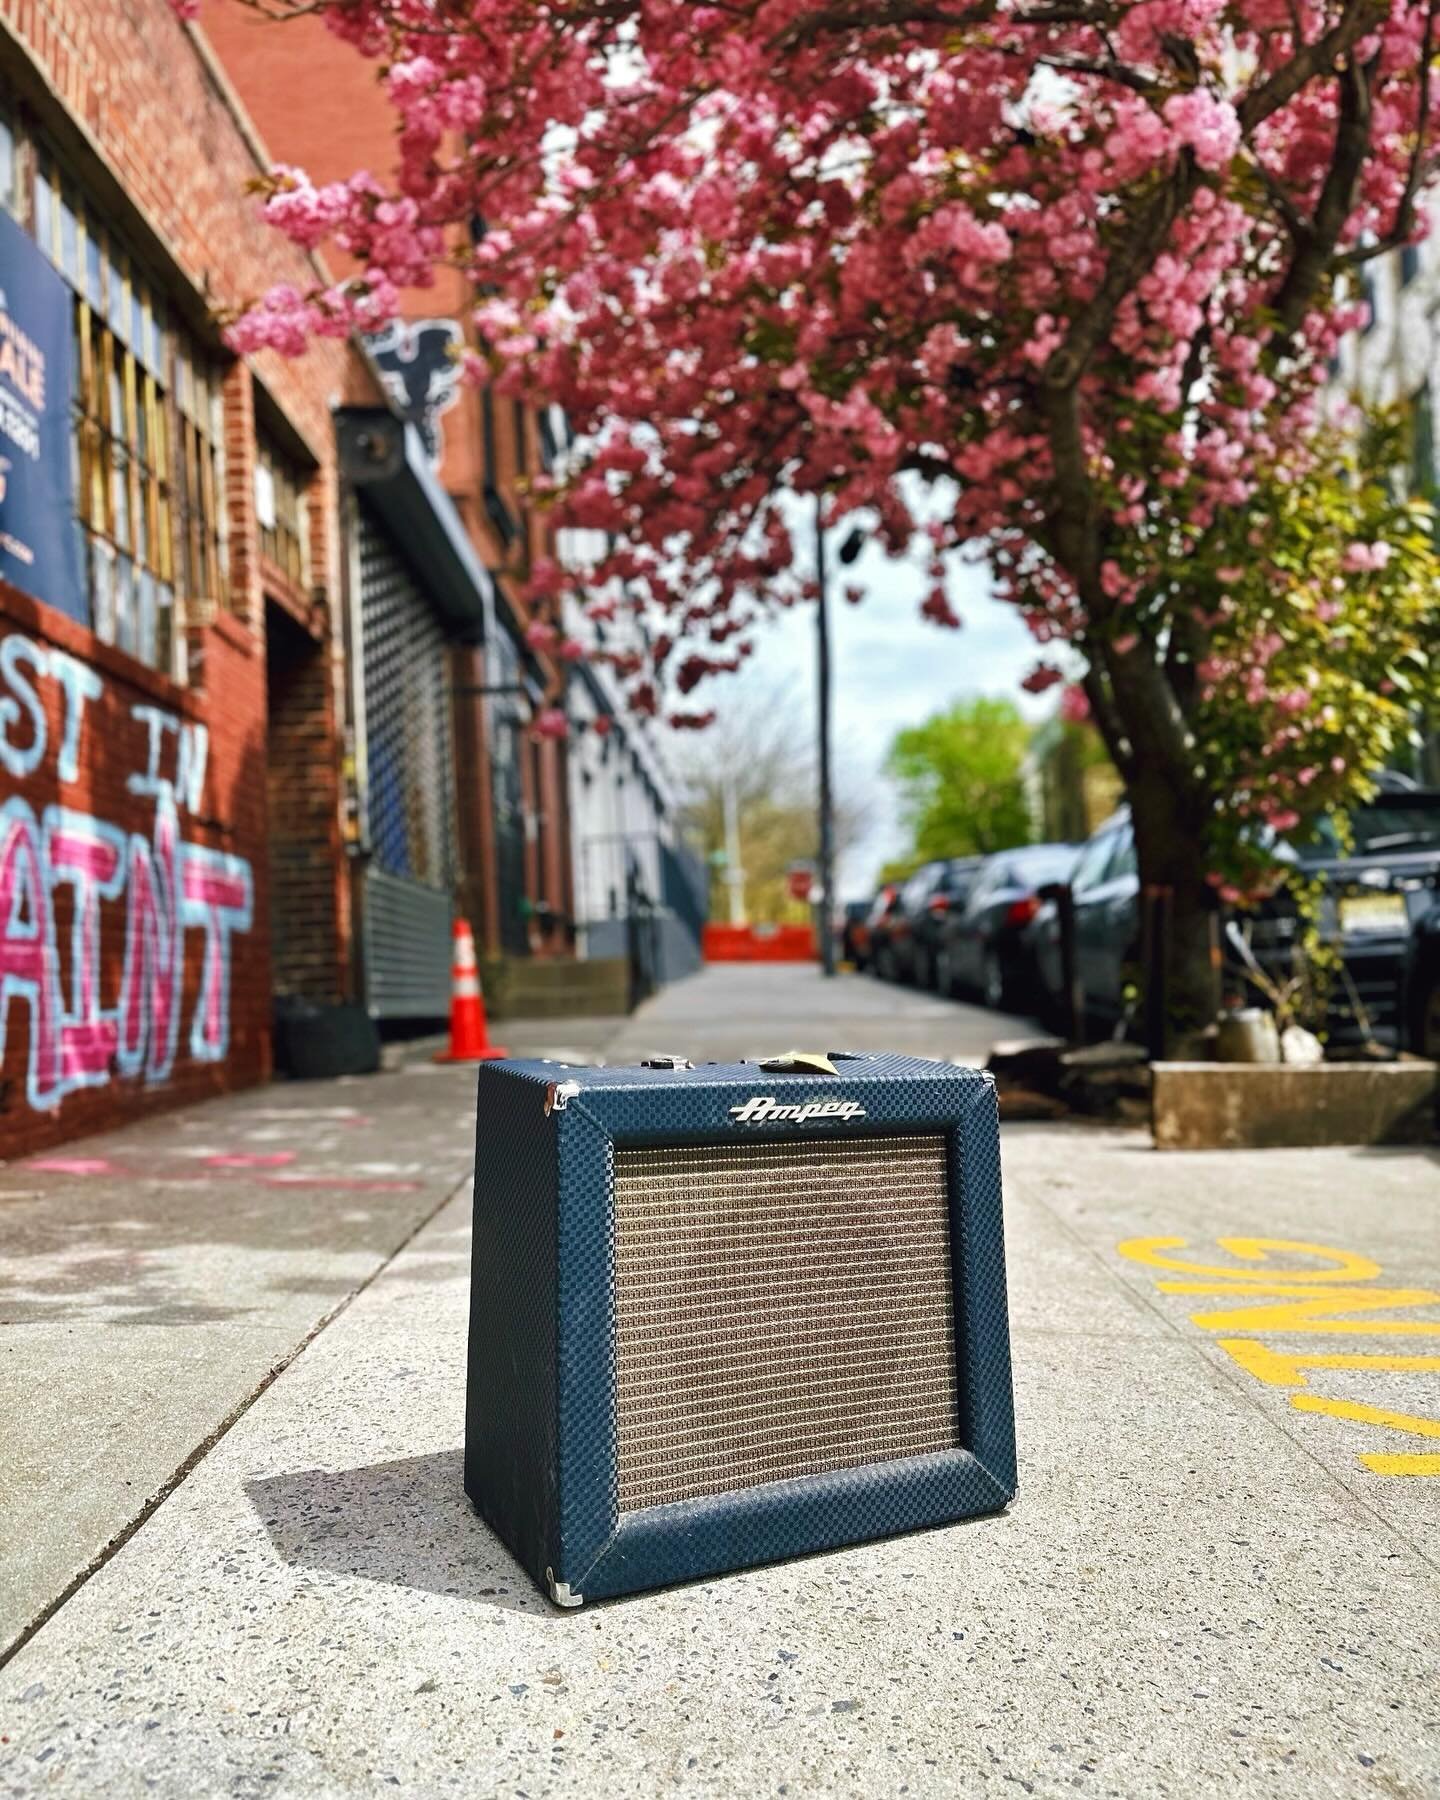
x=1074, y=706
x=1209, y=126
x=938, y=610
x=1360, y=558
x=541, y=635
x=746, y=258
x=550, y=722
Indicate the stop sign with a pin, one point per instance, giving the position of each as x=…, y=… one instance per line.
x=800, y=878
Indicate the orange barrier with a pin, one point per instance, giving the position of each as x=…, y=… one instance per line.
x=759, y=943
x=469, y=1034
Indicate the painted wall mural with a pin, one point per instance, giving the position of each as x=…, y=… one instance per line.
x=66, y=874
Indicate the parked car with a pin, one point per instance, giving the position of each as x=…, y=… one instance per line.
x=854, y=925
x=1421, y=1002
x=867, y=938
x=1380, y=906
x=909, y=938
x=984, y=947
x=1105, y=884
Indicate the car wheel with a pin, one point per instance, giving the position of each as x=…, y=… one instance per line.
x=885, y=963
x=992, y=980
x=924, y=967
x=944, y=974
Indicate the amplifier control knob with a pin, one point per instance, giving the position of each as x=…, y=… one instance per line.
x=666, y=1062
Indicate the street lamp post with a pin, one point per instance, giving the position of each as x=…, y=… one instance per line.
x=822, y=702
x=849, y=550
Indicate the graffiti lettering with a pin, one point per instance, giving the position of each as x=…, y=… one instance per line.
x=92, y=867
x=192, y=750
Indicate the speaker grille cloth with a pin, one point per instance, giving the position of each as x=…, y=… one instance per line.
x=781, y=1310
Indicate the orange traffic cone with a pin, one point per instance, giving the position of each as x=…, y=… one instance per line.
x=469, y=1041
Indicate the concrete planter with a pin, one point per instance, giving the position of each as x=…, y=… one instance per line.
x=1255, y=1106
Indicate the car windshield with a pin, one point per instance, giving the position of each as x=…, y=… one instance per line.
x=1040, y=863
x=1376, y=829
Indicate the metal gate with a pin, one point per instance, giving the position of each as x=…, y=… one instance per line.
x=410, y=785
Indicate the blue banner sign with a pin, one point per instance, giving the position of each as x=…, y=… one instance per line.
x=38, y=545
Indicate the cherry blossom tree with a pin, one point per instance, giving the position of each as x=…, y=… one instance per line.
x=1051, y=282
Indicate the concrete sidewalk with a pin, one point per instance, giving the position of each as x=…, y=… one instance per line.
x=1202, y=1588
x=153, y=1279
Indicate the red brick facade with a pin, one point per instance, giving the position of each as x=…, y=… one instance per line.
x=151, y=827
x=316, y=104
x=132, y=877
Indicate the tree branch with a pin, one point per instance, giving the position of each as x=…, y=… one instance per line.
x=1403, y=228
x=1074, y=518
x=1107, y=720
x=1316, y=246
x=1317, y=58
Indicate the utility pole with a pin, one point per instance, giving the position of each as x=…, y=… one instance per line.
x=734, y=872
x=822, y=706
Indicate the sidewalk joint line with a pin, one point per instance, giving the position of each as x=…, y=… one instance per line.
x=207, y=1444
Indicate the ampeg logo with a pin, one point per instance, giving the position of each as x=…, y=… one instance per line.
x=764, y=1107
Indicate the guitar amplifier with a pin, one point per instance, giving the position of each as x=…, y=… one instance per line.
x=725, y=1315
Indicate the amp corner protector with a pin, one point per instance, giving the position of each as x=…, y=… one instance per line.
x=560, y=1591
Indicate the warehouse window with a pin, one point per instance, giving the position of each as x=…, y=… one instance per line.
x=280, y=485
x=200, y=482
x=148, y=443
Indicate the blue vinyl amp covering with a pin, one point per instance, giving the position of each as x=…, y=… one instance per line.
x=540, y=1454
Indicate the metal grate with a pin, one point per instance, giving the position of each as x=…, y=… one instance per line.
x=407, y=720
x=781, y=1310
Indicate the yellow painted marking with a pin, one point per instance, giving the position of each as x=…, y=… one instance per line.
x=1279, y=1368
x=1366, y=1415
x=1420, y=1464
x=1322, y=1311
x=1296, y=1290
x=1348, y=1265
x=1308, y=1300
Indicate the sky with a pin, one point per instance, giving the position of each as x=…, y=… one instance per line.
x=891, y=668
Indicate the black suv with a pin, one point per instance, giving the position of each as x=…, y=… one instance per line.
x=1381, y=907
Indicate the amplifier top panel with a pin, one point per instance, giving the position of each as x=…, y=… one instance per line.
x=664, y=1071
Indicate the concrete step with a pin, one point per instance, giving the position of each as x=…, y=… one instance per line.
x=524, y=988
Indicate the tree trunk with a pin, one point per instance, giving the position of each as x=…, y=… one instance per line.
x=1170, y=843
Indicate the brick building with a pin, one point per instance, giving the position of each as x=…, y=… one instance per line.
x=171, y=702
x=555, y=841
x=265, y=695
x=314, y=102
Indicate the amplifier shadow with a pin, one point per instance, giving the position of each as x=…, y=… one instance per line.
x=407, y=1522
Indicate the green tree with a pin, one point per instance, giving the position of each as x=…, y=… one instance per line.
x=1320, y=608
x=959, y=774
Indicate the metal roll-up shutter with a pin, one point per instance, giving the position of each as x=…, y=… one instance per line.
x=507, y=792
x=410, y=784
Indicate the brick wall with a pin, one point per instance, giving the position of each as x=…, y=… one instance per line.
x=133, y=881
x=307, y=869
x=139, y=817
x=317, y=104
